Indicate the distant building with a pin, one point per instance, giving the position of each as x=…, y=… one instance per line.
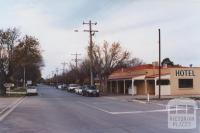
x=141, y=80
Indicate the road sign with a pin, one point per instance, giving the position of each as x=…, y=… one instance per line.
x=29, y=82
x=8, y=85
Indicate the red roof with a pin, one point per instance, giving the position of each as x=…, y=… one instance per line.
x=124, y=76
x=142, y=67
x=126, y=73
x=156, y=75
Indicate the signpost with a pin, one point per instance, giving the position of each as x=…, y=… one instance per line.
x=8, y=86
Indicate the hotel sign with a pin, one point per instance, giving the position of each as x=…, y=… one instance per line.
x=185, y=73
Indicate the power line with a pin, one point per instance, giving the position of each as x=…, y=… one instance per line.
x=76, y=59
x=91, y=34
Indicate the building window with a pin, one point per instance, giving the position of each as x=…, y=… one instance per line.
x=163, y=82
x=185, y=83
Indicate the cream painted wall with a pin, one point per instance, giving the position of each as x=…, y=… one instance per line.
x=185, y=91
x=165, y=89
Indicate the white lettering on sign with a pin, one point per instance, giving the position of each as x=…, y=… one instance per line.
x=185, y=73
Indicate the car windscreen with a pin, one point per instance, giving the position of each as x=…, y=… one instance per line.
x=73, y=85
x=92, y=88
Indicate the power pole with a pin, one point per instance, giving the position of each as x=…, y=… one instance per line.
x=57, y=70
x=64, y=64
x=159, y=36
x=24, y=84
x=91, y=34
x=76, y=60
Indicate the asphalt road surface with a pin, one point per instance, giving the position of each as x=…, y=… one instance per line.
x=56, y=111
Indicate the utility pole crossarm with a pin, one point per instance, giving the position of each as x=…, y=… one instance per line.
x=94, y=23
x=91, y=31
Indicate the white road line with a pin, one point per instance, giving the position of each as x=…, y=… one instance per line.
x=146, y=111
x=125, y=112
x=140, y=112
x=163, y=105
x=95, y=107
x=10, y=108
x=139, y=101
x=159, y=104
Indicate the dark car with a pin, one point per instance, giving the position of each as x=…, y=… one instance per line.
x=88, y=90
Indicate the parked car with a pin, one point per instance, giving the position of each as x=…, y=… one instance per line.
x=77, y=89
x=31, y=90
x=64, y=87
x=59, y=86
x=89, y=90
x=72, y=87
x=80, y=90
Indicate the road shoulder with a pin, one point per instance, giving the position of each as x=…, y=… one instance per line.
x=7, y=105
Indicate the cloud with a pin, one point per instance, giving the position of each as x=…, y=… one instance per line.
x=136, y=25
x=133, y=23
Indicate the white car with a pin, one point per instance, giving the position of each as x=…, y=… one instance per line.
x=78, y=90
x=31, y=90
x=72, y=87
x=59, y=86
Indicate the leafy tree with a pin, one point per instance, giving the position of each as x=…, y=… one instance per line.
x=8, y=38
x=27, y=55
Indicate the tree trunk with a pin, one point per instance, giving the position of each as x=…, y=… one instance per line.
x=2, y=88
x=104, y=84
x=2, y=81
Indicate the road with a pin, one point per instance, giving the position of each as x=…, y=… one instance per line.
x=56, y=111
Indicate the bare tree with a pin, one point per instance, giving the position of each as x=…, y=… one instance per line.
x=106, y=58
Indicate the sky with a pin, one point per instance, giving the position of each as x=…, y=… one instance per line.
x=132, y=23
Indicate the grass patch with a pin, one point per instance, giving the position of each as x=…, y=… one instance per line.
x=19, y=89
